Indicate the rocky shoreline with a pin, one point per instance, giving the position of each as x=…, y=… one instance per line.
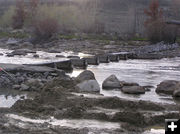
x=134, y=49
x=61, y=97
x=58, y=98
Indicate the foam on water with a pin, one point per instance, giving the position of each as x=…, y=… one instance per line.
x=71, y=123
x=155, y=131
x=78, y=124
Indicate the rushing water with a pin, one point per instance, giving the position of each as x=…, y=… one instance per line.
x=9, y=97
x=77, y=124
x=44, y=57
x=8, y=101
x=71, y=123
x=155, y=131
x=144, y=72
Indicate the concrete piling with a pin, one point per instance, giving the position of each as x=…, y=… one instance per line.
x=64, y=65
x=92, y=60
x=79, y=63
x=113, y=57
x=104, y=58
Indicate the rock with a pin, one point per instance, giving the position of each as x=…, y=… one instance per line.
x=36, y=56
x=111, y=46
x=176, y=93
x=22, y=52
x=34, y=84
x=167, y=87
x=1, y=54
x=87, y=82
x=86, y=75
x=54, y=51
x=79, y=63
x=19, y=53
x=111, y=82
x=5, y=81
x=16, y=87
x=147, y=56
x=54, y=74
x=92, y=60
x=64, y=65
x=60, y=56
x=10, y=55
x=20, y=79
x=129, y=84
x=103, y=58
x=161, y=46
x=73, y=57
x=24, y=87
x=133, y=90
x=16, y=31
x=148, y=88
x=113, y=57
x=89, y=86
x=123, y=55
x=27, y=44
x=22, y=97
x=12, y=41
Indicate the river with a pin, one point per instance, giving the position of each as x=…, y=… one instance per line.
x=144, y=72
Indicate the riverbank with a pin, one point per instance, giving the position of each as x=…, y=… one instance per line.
x=60, y=101
x=137, y=49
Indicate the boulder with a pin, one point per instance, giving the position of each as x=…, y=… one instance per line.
x=36, y=56
x=5, y=81
x=92, y=60
x=129, y=84
x=12, y=41
x=86, y=82
x=64, y=65
x=60, y=56
x=9, y=55
x=27, y=45
x=158, y=47
x=133, y=90
x=167, y=87
x=111, y=82
x=86, y=75
x=22, y=52
x=104, y=58
x=113, y=57
x=16, y=68
x=176, y=93
x=16, y=87
x=24, y=87
x=79, y=63
x=148, y=88
x=89, y=86
x=73, y=57
x=34, y=84
x=54, y=51
x=19, y=53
